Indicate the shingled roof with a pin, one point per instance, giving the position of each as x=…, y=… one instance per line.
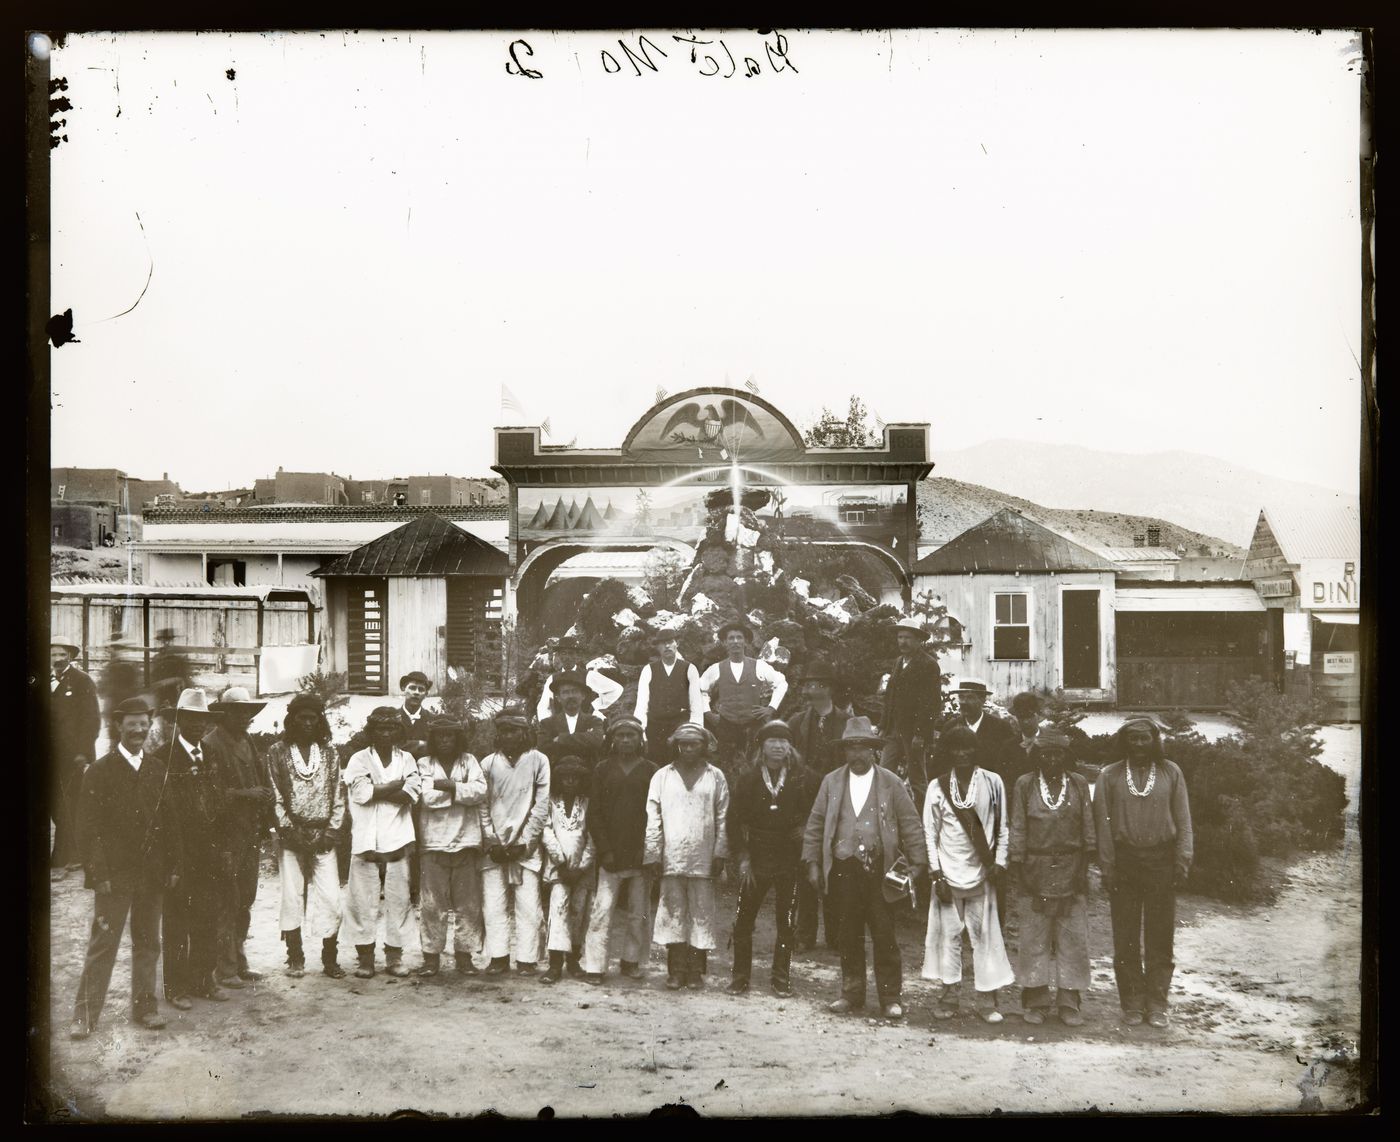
x=427, y=547
x=1008, y=541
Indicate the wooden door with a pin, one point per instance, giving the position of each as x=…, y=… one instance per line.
x=367, y=635
x=1080, y=650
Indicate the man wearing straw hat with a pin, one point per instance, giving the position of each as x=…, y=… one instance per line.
x=132, y=859
x=913, y=705
x=248, y=795
x=863, y=823
x=74, y=723
x=740, y=693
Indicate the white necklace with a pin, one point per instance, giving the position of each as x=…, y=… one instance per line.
x=1045, y=791
x=1151, y=780
x=953, y=789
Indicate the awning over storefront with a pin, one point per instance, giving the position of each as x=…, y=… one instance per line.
x=1188, y=599
x=1340, y=618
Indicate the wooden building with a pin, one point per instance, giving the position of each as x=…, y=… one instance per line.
x=425, y=596
x=1036, y=609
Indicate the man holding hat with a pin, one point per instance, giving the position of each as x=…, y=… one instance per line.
x=74, y=723
x=569, y=658
x=382, y=786
x=449, y=832
x=913, y=704
x=248, y=796
x=133, y=857
x=668, y=692
x=861, y=823
x=768, y=812
x=573, y=728
x=990, y=732
x=687, y=842
x=617, y=822
x=196, y=907
x=740, y=693
x=309, y=810
x=1052, y=842
x=512, y=821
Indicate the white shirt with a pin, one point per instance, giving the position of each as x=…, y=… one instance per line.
x=380, y=826
x=973, y=725
x=607, y=690
x=692, y=677
x=571, y=722
x=765, y=674
x=950, y=849
x=134, y=759
x=189, y=749
x=860, y=788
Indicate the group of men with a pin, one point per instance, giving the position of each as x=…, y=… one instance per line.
x=573, y=816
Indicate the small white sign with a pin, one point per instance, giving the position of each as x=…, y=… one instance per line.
x=1339, y=662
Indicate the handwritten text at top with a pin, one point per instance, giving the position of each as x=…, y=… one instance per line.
x=707, y=57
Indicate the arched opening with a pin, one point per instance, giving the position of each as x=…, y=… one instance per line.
x=536, y=597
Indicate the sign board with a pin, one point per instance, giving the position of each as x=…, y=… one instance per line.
x=1274, y=588
x=1339, y=662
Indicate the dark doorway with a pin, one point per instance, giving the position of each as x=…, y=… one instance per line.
x=367, y=634
x=1081, y=640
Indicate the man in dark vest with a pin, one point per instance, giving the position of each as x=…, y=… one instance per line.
x=913, y=705
x=742, y=694
x=992, y=732
x=668, y=693
x=249, y=798
x=74, y=722
x=132, y=857
x=573, y=729
x=861, y=823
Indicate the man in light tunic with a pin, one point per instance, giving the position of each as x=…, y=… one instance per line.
x=686, y=844
x=965, y=824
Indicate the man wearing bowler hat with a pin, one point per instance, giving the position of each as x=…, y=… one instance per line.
x=569, y=658
x=740, y=693
x=862, y=822
x=132, y=858
x=248, y=794
x=913, y=704
x=74, y=722
x=991, y=732
x=573, y=728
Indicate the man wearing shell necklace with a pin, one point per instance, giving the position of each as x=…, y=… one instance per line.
x=1052, y=841
x=1145, y=845
x=965, y=822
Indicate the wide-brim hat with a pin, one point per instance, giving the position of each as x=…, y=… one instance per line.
x=777, y=728
x=237, y=700
x=859, y=729
x=664, y=634
x=913, y=625
x=973, y=686
x=819, y=670
x=130, y=706
x=416, y=676
x=384, y=716
x=73, y=651
x=568, y=642
x=192, y=700
x=735, y=624
x=573, y=678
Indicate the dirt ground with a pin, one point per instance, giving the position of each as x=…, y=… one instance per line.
x=1265, y=1017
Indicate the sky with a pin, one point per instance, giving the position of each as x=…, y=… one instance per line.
x=1132, y=241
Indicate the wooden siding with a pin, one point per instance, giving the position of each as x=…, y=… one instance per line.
x=969, y=600
x=417, y=626
x=1182, y=683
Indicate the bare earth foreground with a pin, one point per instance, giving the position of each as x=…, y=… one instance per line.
x=1266, y=1015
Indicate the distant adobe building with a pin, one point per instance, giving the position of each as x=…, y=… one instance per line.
x=95, y=507
x=400, y=491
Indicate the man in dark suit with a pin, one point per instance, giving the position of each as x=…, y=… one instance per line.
x=573, y=728
x=913, y=705
x=415, y=686
x=74, y=722
x=132, y=856
x=993, y=732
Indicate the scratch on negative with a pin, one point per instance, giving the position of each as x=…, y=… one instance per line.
x=149, y=274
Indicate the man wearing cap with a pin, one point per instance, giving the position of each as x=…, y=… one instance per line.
x=382, y=786
x=572, y=728
x=862, y=821
x=132, y=858
x=966, y=823
x=74, y=723
x=668, y=693
x=196, y=907
x=568, y=865
x=740, y=693
x=617, y=822
x=767, y=815
x=1146, y=845
x=248, y=796
x=991, y=733
x=1052, y=842
x=309, y=811
x=913, y=704
x=569, y=659
x=686, y=845
x=449, y=833
x=513, y=817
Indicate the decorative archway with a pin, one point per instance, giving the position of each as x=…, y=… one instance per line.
x=534, y=570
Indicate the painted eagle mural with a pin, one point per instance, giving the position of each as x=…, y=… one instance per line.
x=696, y=423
